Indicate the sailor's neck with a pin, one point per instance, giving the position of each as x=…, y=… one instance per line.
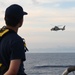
x=13, y=28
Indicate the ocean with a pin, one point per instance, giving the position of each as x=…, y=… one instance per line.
x=48, y=63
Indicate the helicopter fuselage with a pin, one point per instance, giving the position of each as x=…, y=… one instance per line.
x=56, y=28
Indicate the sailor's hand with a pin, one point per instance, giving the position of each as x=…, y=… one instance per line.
x=65, y=72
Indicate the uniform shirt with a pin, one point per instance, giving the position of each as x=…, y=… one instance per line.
x=11, y=48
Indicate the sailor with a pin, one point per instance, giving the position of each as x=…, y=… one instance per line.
x=12, y=48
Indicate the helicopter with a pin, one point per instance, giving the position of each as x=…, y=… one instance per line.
x=56, y=28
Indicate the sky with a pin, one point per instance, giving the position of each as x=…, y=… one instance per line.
x=42, y=16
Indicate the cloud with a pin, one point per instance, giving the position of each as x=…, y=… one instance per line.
x=54, y=1
x=35, y=2
x=40, y=15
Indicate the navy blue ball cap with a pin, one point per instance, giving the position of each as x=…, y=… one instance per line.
x=15, y=11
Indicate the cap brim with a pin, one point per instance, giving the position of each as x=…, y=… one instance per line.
x=25, y=13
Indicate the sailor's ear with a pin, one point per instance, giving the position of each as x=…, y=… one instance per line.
x=21, y=22
x=4, y=18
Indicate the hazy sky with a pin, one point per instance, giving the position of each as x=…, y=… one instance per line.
x=42, y=16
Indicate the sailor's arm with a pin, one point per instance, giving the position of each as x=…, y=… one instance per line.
x=68, y=70
x=14, y=67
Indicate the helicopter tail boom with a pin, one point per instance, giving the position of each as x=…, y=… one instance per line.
x=63, y=28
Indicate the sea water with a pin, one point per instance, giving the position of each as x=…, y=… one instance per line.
x=48, y=63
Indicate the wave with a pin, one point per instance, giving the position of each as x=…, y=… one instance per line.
x=57, y=66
